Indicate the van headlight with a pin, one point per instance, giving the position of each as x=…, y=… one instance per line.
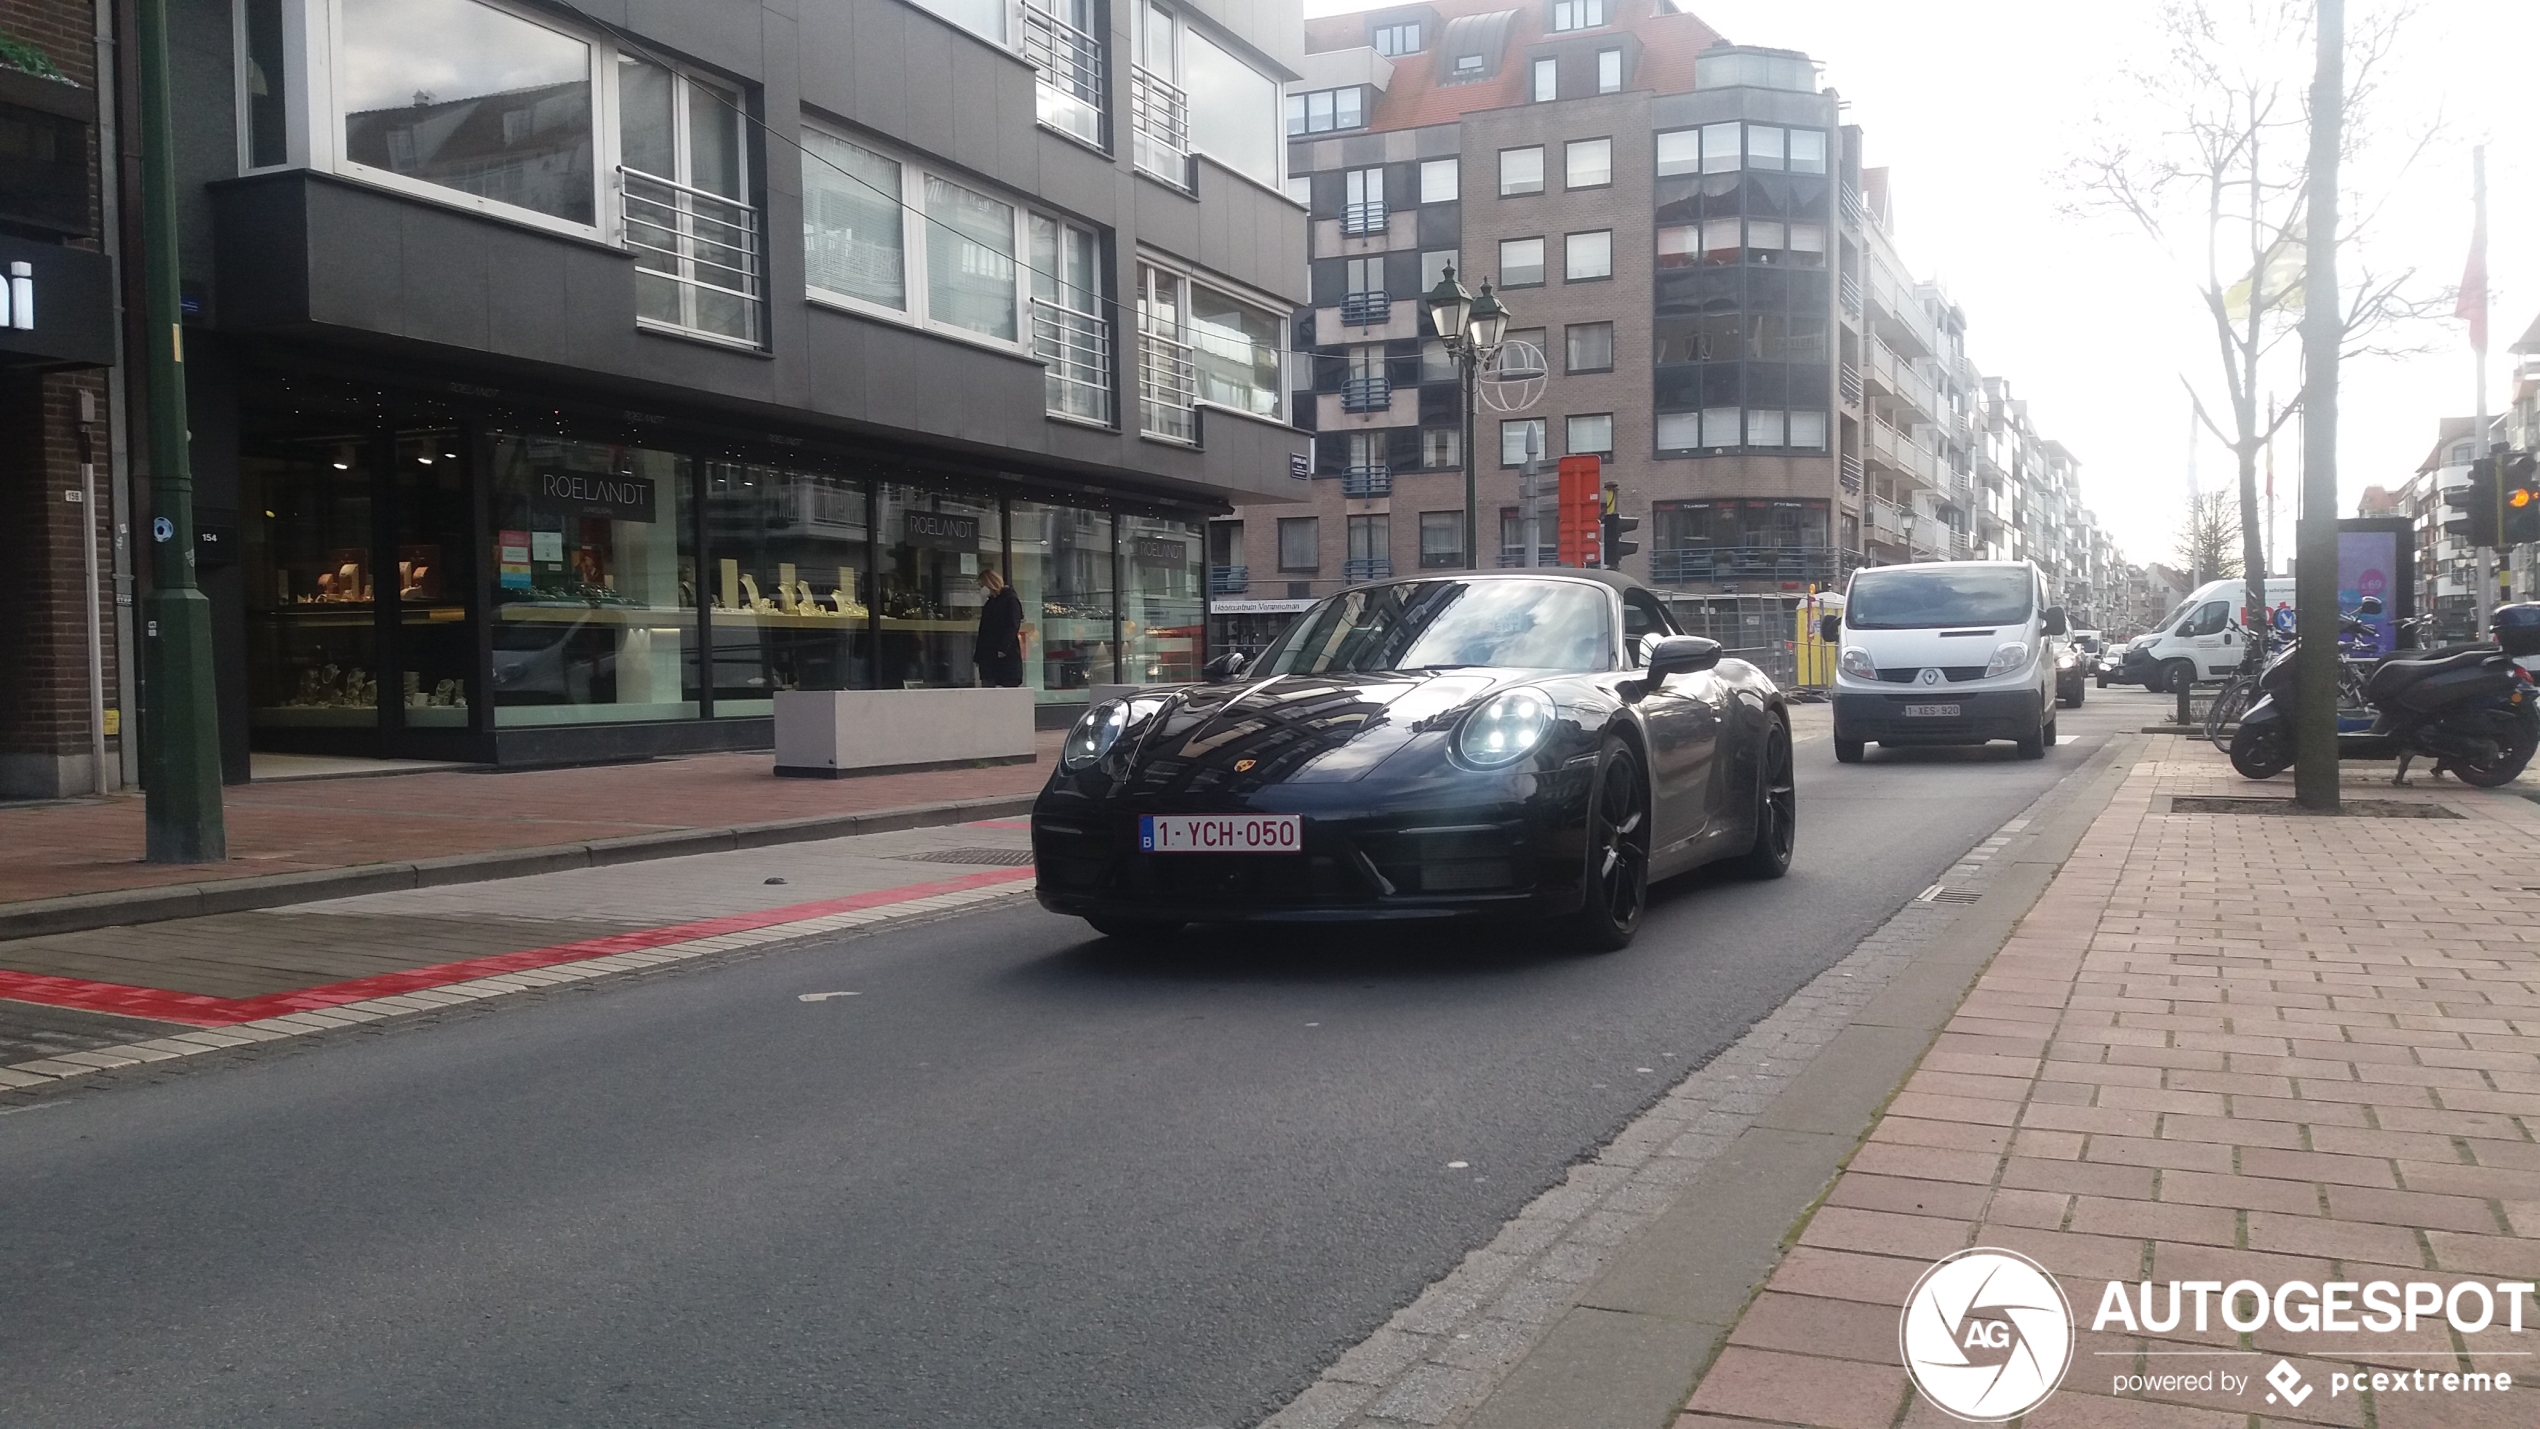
x=1857, y=663
x=1505, y=729
x=2007, y=656
x=1095, y=731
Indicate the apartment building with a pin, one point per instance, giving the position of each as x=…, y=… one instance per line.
x=2446, y=564
x=563, y=389
x=2522, y=433
x=1694, y=257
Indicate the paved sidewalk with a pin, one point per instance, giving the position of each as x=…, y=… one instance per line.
x=93, y=846
x=75, y=1003
x=2221, y=1046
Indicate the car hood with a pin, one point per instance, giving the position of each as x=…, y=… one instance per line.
x=1301, y=728
x=1918, y=649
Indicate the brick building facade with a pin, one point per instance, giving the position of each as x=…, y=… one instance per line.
x=57, y=480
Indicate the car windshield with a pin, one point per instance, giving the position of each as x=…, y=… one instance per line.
x=1449, y=624
x=2088, y=643
x=1926, y=597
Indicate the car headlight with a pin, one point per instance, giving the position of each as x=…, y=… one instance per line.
x=1857, y=663
x=1506, y=728
x=2007, y=656
x=1096, y=730
x=2067, y=660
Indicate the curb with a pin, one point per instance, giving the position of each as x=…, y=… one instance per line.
x=37, y=918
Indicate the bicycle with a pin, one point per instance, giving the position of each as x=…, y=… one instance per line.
x=2359, y=650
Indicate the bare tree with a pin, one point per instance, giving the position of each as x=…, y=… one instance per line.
x=2221, y=183
x=2209, y=540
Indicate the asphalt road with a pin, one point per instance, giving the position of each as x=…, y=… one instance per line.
x=1022, y=1178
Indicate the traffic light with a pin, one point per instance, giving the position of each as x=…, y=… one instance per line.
x=2520, y=497
x=1617, y=526
x=2478, y=505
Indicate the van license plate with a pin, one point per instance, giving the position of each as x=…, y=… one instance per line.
x=1237, y=833
x=1931, y=711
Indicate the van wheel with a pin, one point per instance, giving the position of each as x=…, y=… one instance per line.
x=2049, y=737
x=2181, y=675
x=1850, y=751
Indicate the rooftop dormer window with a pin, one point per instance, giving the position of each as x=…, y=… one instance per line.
x=1577, y=15
x=1401, y=39
x=1468, y=64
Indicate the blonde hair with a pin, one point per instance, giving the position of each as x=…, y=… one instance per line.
x=990, y=581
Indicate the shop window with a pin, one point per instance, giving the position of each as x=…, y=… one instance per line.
x=1521, y=171
x=1299, y=544
x=789, y=587
x=1588, y=163
x=311, y=592
x=1063, y=573
x=594, y=597
x=467, y=97
x=434, y=654
x=1590, y=346
x=932, y=549
x=1162, y=611
x=1441, y=540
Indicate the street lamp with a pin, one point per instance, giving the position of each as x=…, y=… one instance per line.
x=1472, y=329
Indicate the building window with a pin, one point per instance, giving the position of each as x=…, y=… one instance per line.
x=1522, y=352
x=518, y=133
x=985, y=18
x=1323, y=110
x=1441, y=540
x=1520, y=262
x=1521, y=171
x=1577, y=14
x=1609, y=71
x=970, y=267
x=1720, y=148
x=1764, y=427
x=263, y=88
x=1764, y=145
x=1299, y=548
x=1236, y=348
x=1301, y=190
x=1227, y=109
x=1468, y=65
x=1519, y=439
x=1588, y=256
x=1437, y=364
x=1433, y=266
x=1547, y=81
x=1807, y=151
x=1438, y=180
x=1588, y=163
x=1592, y=434
x=1723, y=148
x=1402, y=39
x=1808, y=430
x=687, y=218
x=1441, y=448
x=1591, y=346
x=1371, y=543
x=853, y=238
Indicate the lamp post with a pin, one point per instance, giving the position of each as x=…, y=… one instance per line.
x=1472, y=329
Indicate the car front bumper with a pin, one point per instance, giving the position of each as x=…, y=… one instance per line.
x=1982, y=715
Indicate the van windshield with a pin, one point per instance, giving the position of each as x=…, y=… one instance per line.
x=1926, y=597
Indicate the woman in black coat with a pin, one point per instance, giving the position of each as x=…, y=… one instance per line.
x=998, y=650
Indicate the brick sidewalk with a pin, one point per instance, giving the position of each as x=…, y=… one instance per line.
x=2171, y=1074
x=94, y=845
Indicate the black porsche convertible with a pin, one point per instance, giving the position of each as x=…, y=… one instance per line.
x=1535, y=744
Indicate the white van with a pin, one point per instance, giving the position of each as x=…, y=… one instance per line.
x=1945, y=652
x=2202, y=639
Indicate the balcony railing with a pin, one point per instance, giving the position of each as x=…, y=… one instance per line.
x=1367, y=481
x=1070, y=62
x=1366, y=394
x=1853, y=214
x=1693, y=564
x=1851, y=382
x=1075, y=347
x=1369, y=309
x=697, y=263
x=1360, y=219
x=1368, y=568
x=1160, y=120
x=1229, y=580
x=1850, y=288
x=1852, y=473
x=1897, y=375
x=1168, y=388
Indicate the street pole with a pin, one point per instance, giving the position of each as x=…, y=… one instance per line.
x=2315, y=532
x=2486, y=607
x=1530, y=498
x=1472, y=360
x=181, y=740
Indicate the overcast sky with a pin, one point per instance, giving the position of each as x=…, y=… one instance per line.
x=1976, y=106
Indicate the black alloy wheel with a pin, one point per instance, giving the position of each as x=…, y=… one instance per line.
x=1617, y=852
x=2264, y=750
x=2517, y=736
x=1776, y=809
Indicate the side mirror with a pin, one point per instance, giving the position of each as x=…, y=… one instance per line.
x=1226, y=667
x=1680, y=655
x=2370, y=605
x=2055, y=622
x=1830, y=629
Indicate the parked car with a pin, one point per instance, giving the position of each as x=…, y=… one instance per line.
x=1539, y=744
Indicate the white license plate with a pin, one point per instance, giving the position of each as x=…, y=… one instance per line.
x=1221, y=833
x=1931, y=711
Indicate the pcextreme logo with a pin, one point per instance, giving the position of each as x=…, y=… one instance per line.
x=1986, y=1335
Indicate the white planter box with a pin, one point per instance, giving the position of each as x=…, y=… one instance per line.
x=829, y=734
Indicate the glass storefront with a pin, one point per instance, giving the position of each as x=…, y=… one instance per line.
x=790, y=598
x=1163, y=614
x=310, y=590
x=1063, y=571
x=594, y=596
x=934, y=545
x=434, y=654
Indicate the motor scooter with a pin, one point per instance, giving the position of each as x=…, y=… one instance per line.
x=2470, y=708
